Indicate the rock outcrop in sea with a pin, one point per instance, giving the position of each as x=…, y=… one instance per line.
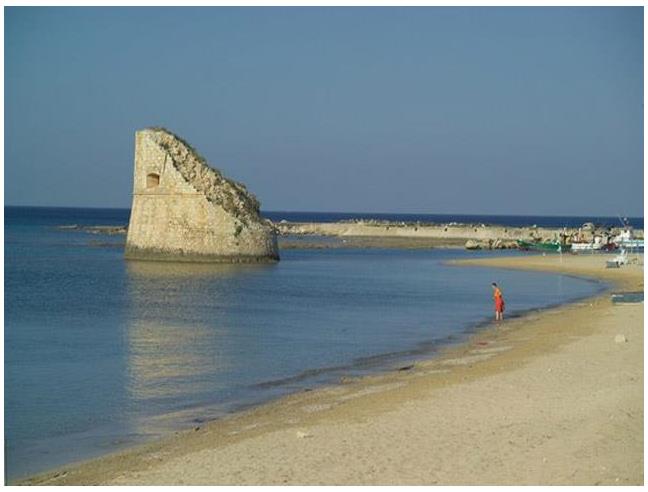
x=185, y=210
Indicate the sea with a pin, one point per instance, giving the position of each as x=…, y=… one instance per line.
x=102, y=353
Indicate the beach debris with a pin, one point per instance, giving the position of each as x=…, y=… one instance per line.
x=196, y=429
x=303, y=435
x=620, y=338
x=406, y=368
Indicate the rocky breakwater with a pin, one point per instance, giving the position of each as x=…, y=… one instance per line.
x=185, y=210
x=470, y=236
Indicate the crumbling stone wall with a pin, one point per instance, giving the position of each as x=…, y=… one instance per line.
x=184, y=210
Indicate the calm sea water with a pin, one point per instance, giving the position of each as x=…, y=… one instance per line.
x=119, y=216
x=101, y=353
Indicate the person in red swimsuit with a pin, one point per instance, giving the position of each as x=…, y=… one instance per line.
x=499, y=302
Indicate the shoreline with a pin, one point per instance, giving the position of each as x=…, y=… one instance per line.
x=372, y=233
x=481, y=355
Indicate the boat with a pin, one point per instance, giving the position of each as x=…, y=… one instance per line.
x=627, y=240
x=596, y=245
x=552, y=246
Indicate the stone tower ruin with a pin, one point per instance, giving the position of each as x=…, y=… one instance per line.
x=184, y=210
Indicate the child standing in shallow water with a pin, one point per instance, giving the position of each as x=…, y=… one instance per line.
x=499, y=302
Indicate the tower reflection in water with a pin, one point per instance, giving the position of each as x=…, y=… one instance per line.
x=180, y=340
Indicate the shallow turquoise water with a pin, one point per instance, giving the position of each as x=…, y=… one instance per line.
x=101, y=353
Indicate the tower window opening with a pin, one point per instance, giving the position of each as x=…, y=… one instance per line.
x=152, y=180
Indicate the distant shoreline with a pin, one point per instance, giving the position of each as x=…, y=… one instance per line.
x=398, y=234
x=326, y=230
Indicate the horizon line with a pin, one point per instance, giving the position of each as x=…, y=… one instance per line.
x=356, y=213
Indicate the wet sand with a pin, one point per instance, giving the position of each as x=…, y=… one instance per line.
x=549, y=398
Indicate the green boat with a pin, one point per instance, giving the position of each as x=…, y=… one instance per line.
x=553, y=246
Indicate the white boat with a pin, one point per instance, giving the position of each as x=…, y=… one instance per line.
x=595, y=245
x=627, y=240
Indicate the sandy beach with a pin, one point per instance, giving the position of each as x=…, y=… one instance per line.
x=548, y=398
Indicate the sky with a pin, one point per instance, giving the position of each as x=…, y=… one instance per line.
x=525, y=111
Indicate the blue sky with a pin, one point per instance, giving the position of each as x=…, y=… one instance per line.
x=427, y=110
